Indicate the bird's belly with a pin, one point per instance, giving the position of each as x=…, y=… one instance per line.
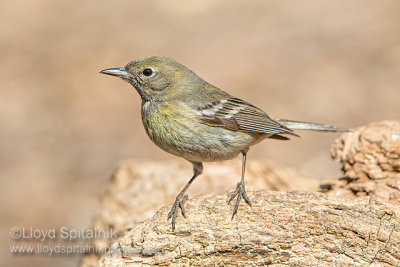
x=209, y=147
x=198, y=142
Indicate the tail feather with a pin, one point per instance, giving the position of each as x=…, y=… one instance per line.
x=300, y=125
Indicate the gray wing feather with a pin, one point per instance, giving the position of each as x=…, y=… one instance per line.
x=238, y=115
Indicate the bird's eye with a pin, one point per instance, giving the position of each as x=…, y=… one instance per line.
x=147, y=72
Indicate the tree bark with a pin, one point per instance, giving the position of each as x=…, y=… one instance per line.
x=293, y=228
x=355, y=223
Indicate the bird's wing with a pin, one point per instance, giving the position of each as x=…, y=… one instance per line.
x=237, y=115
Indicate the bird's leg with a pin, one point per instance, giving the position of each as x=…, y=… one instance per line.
x=181, y=197
x=240, y=188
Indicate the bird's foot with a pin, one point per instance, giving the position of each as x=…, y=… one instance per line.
x=239, y=193
x=179, y=204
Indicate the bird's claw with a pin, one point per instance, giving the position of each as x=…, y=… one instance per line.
x=239, y=193
x=179, y=203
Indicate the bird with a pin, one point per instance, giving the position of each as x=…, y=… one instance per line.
x=188, y=117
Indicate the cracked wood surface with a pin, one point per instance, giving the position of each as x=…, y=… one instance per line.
x=360, y=228
x=370, y=156
x=139, y=188
x=294, y=228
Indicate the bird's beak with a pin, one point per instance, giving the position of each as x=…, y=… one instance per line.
x=119, y=72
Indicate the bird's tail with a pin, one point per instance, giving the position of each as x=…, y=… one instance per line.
x=300, y=125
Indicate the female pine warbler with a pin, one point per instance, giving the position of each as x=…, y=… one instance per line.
x=190, y=118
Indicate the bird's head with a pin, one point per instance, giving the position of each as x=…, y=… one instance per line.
x=157, y=78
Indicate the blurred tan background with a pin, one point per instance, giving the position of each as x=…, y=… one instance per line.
x=65, y=127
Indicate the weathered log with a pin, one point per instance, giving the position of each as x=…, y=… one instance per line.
x=355, y=223
x=371, y=162
x=294, y=228
x=139, y=188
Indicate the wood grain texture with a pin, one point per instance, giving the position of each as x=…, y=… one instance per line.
x=294, y=228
